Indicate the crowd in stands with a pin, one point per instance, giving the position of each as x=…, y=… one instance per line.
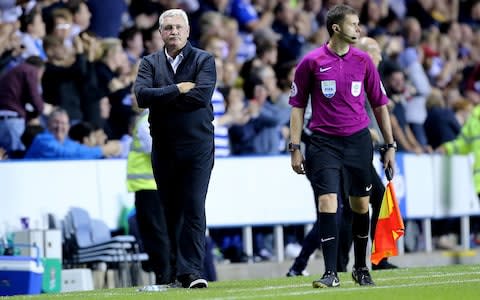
x=78, y=59
x=81, y=56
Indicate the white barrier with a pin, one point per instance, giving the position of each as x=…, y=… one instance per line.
x=243, y=191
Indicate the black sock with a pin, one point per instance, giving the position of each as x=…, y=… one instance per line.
x=360, y=226
x=329, y=239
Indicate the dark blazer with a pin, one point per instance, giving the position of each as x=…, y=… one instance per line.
x=178, y=118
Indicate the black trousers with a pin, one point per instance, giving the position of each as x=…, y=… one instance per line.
x=151, y=225
x=312, y=242
x=182, y=175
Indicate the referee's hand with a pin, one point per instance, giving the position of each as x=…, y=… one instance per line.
x=298, y=162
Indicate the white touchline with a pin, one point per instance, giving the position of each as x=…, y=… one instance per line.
x=342, y=289
x=343, y=284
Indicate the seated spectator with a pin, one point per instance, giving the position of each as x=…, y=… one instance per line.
x=55, y=144
x=86, y=134
x=83, y=133
x=31, y=131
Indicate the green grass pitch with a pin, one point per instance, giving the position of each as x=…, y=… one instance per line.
x=458, y=282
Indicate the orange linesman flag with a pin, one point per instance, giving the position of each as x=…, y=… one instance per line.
x=389, y=227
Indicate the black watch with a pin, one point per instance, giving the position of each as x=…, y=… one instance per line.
x=392, y=145
x=292, y=147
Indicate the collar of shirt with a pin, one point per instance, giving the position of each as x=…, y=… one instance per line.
x=174, y=62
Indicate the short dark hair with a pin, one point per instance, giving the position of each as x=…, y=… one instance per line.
x=28, y=18
x=74, y=5
x=337, y=14
x=80, y=130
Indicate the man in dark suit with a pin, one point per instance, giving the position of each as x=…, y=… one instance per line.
x=176, y=84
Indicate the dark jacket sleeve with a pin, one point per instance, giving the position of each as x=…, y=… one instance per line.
x=145, y=91
x=201, y=95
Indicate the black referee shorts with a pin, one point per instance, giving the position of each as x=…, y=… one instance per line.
x=329, y=157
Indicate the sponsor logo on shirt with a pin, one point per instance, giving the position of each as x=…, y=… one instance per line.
x=293, y=90
x=356, y=88
x=329, y=88
x=324, y=69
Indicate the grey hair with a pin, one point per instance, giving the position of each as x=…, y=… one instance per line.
x=172, y=13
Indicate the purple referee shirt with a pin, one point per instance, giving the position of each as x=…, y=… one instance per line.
x=337, y=87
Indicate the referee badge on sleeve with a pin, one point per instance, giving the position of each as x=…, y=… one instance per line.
x=329, y=88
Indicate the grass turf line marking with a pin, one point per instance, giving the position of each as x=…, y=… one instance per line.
x=350, y=282
x=342, y=290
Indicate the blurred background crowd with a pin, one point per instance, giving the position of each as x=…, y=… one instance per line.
x=67, y=69
x=81, y=57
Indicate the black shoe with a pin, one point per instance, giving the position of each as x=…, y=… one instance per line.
x=192, y=281
x=329, y=279
x=384, y=265
x=362, y=276
x=293, y=273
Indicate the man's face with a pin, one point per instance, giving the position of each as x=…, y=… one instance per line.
x=375, y=54
x=59, y=126
x=350, y=27
x=174, y=32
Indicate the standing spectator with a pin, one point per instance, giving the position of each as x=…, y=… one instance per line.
x=107, y=16
x=340, y=136
x=152, y=40
x=33, y=31
x=60, y=25
x=80, y=16
x=18, y=88
x=64, y=74
x=399, y=91
x=441, y=125
x=177, y=86
x=409, y=60
x=132, y=43
x=115, y=79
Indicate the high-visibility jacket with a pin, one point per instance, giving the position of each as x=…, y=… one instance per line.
x=139, y=163
x=468, y=141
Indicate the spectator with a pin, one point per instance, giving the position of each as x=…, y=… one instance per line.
x=152, y=40
x=409, y=60
x=31, y=131
x=80, y=16
x=55, y=144
x=107, y=17
x=291, y=31
x=441, y=124
x=64, y=75
x=266, y=55
x=132, y=43
x=33, y=32
x=398, y=91
x=19, y=89
x=115, y=79
x=60, y=26
x=83, y=133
